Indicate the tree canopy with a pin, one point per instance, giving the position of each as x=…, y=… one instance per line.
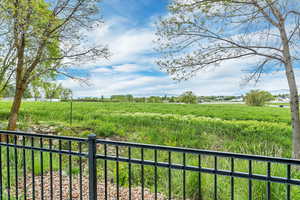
x=44, y=39
x=198, y=34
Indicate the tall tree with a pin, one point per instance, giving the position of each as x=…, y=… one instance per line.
x=198, y=34
x=47, y=37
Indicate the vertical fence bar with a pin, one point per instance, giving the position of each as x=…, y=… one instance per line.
x=16, y=168
x=250, y=181
x=215, y=178
x=80, y=171
x=142, y=173
x=32, y=169
x=232, y=180
x=92, y=167
x=51, y=169
x=117, y=172
x=288, y=186
x=184, y=176
x=70, y=170
x=129, y=173
x=24, y=169
x=8, y=168
x=269, y=183
x=1, y=183
x=155, y=174
x=105, y=174
x=60, y=170
x=199, y=178
x=170, y=175
x=42, y=169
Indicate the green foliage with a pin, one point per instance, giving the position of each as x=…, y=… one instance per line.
x=154, y=99
x=258, y=97
x=188, y=97
x=122, y=98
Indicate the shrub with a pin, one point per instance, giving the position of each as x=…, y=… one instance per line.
x=258, y=97
x=188, y=97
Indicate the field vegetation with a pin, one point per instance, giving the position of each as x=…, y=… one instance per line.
x=241, y=128
x=234, y=128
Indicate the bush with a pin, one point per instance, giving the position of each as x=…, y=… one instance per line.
x=188, y=97
x=258, y=97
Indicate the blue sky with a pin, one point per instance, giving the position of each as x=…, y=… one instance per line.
x=129, y=32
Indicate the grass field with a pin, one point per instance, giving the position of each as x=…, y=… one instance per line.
x=241, y=128
x=234, y=128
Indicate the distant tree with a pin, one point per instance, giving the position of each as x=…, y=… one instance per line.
x=258, y=97
x=140, y=99
x=165, y=97
x=129, y=98
x=66, y=94
x=122, y=98
x=27, y=94
x=36, y=92
x=198, y=34
x=52, y=90
x=154, y=99
x=172, y=99
x=188, y=97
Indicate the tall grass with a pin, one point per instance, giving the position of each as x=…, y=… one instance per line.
x=234, y=128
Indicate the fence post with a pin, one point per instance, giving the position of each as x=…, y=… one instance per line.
x=92, y=167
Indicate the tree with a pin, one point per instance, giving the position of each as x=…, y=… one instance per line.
x=36, y=90
x=27, y=94
x=66, y=94
x=188, y=97
x=154, y=99
x=52, y=90
x=258, y=97
x=47, y=37
x=199, y=34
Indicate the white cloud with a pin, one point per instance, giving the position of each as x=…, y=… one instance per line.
x=101, y=70
x=128, y=68
x=222, y=80
x=124, y=72
x=125, y=44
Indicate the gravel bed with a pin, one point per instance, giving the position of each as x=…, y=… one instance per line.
x=112, y=191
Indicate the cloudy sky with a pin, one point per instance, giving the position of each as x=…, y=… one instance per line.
x=129, y=33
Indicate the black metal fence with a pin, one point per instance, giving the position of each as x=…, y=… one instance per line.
x=35, y=166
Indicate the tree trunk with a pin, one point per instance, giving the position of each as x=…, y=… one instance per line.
x=13, y=116
x=294, y=106
x=294, y=98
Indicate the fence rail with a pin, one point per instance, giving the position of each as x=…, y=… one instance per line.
x=36, y=166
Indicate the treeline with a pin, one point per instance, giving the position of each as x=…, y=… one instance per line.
x=47, y=90
x=187, y=97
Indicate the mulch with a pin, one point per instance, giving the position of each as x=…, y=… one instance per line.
x=136, y=192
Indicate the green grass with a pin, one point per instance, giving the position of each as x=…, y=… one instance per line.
x=59, y=111
x=234, y=128
x=241, y=128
